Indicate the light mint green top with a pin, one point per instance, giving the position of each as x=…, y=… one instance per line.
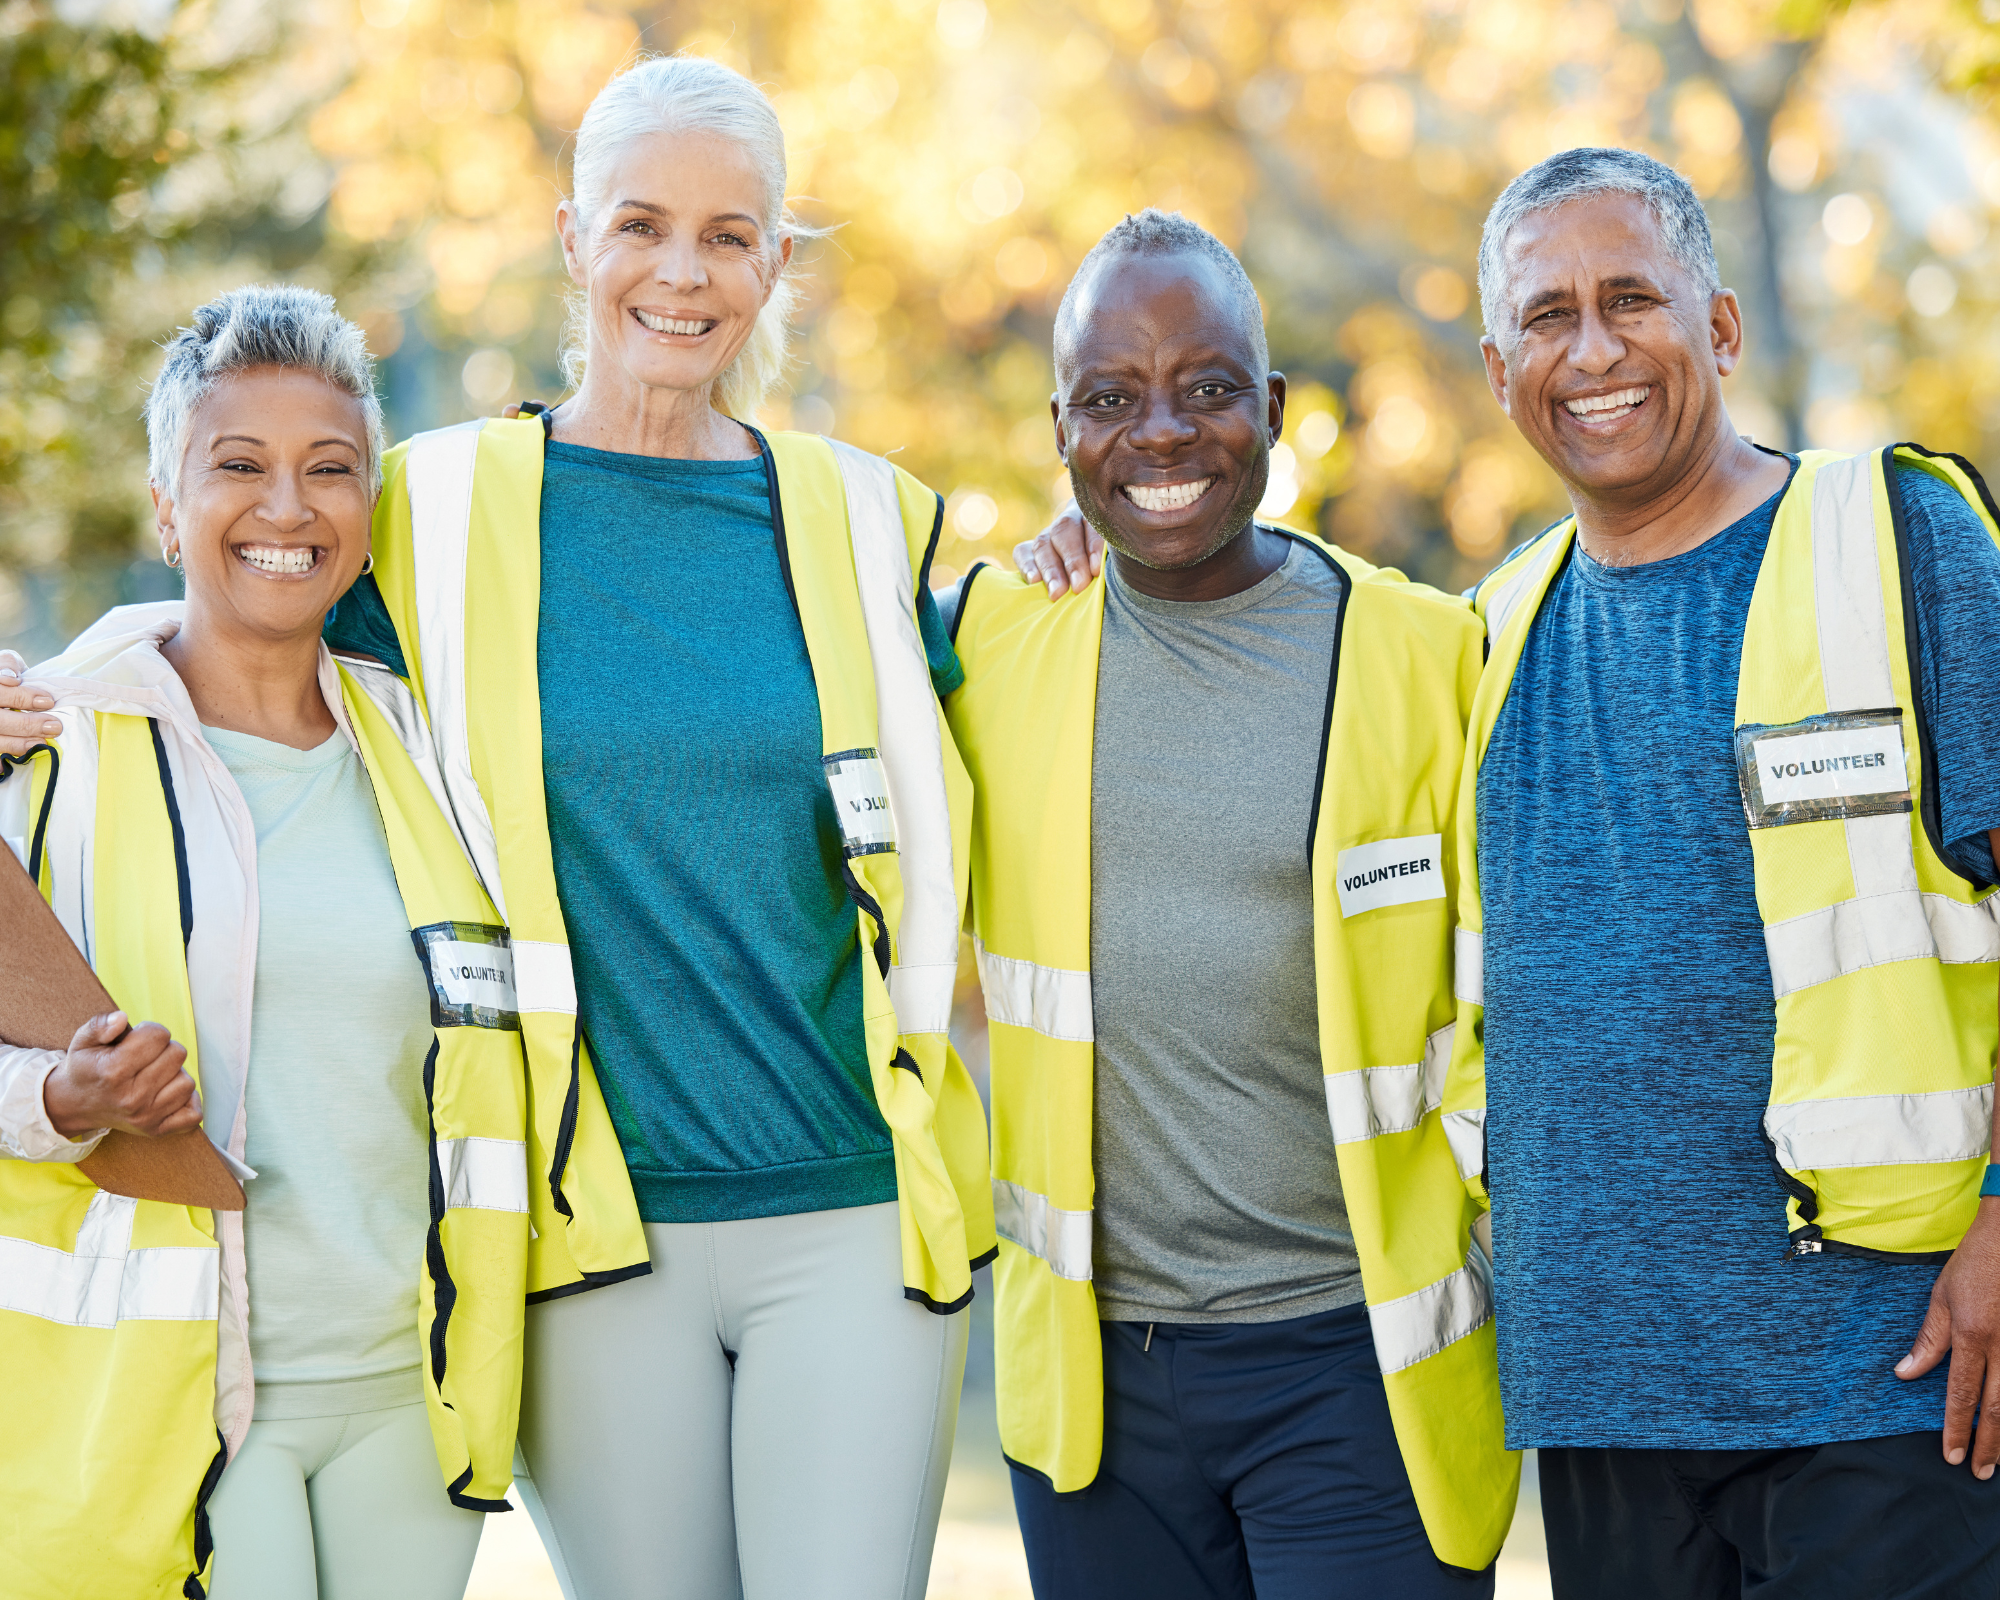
x=334, y=1102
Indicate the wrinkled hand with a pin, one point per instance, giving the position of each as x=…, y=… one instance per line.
x=1964, y=1322
x=1065, y=555
x=134, y=1082
x=22, y=725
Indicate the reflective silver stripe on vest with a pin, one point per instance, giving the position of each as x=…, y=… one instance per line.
x=1508, y=597
x=1852, y=935
x=1883, y=1130
x=543, y=977
x=1468, y=967
x=1465, y=1132
x=1437, y=1316
x=1061, y=1238
x=910, y=738
x=1053, y=1001
x=392, y=697
x=1847, y=589
x=1376, y=1100
x=104, y=1281
x=439, y=470
x=1889, y=919
x=484, y=1174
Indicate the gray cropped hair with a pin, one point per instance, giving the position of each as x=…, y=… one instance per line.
x=1159, y=233
x=1577, y=175
x=261, y=325
x=691, y=94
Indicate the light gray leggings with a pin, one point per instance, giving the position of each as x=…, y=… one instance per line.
x=340, y=1508
x=764, y=1416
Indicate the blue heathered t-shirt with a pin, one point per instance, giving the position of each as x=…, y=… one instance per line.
x=1638, y=1223
x=697, y=853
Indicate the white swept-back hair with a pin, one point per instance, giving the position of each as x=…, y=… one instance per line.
x=691, y=94
x=260, y=325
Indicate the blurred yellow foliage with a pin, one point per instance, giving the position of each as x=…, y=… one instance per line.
x=967, y=153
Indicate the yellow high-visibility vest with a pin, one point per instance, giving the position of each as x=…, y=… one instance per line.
x=1406, y=662
x=458, y=563
x=1882, y=956
x=109, y=1305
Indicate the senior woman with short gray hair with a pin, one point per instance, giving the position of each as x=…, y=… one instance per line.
x=683, y=677
x=314, y=1396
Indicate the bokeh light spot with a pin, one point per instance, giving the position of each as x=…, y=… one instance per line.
x=1932, y=290
x=1794, y=162
x=1317, y=434
x=488, y=376
x=1022, y=263
x=1282, y=491
x=1383, y=118
x=961, y=24
x=1438, y=292
x=1847, y=219
x=974, y=513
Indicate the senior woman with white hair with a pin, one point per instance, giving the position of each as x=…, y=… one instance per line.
x=314, y=1396
x=683, y=678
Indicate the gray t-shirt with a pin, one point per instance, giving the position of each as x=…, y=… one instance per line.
x=1218, y=1196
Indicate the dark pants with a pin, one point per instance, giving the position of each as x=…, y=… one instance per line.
x=1240, y=1459
x=1868, y=1519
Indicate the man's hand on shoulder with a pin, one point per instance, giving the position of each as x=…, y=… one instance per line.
x=1065, y=555
x=22, y=723
x=1964, y=1323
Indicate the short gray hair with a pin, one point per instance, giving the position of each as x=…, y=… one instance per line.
x=1160, y=233
x=691, y=94
x=1577, y=175
x=260, y=325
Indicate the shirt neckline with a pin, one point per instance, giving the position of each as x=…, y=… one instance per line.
x=1591, y=570
x=1263, y=589
x=233, y=747
x=585, y=455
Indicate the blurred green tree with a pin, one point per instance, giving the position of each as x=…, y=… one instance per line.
x=127, y=187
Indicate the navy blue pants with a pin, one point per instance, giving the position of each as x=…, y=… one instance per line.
x=1240, y=1459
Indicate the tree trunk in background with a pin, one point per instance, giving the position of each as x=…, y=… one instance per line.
x=1758, y=93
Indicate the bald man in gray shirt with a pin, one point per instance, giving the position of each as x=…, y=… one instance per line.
x=1218, y=1195
x=1247, y=1446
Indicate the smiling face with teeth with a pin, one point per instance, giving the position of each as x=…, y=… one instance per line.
x=270, y=523
x=1166, y=425
x=676, y=264
x=1610, y=359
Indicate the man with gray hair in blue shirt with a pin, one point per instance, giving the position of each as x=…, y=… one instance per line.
x=1727, y=969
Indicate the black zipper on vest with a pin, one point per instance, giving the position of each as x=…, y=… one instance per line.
x=1810, y=1240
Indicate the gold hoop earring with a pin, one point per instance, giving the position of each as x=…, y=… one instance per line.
x=172, y=557
x=368, y=565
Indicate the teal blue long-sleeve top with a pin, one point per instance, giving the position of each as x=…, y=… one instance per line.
x=697, y=854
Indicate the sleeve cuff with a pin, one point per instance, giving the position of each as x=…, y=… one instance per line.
x=26, y=1134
